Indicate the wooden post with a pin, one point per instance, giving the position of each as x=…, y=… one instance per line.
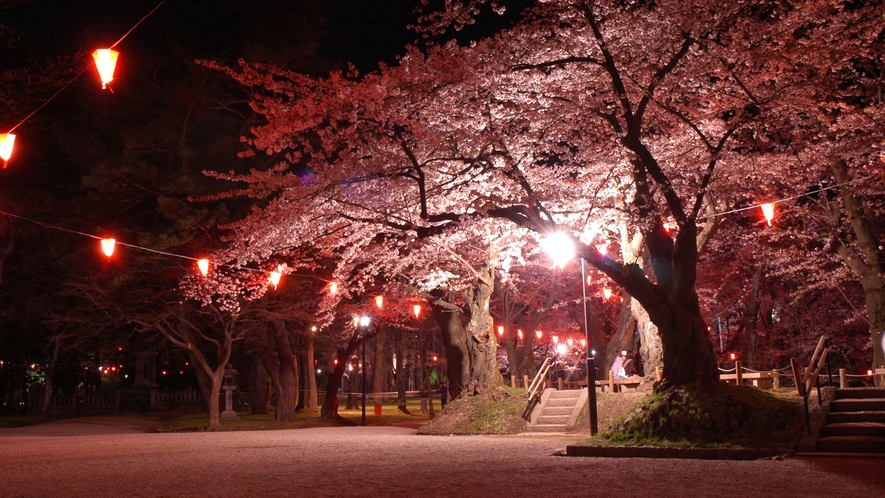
x=525, y=381
x=800, y=383
x=611, y=382
x=843, y=378
x=559, y=384
x=659, y=376
x=513, y=381
x=739, y=379
x=775, y=379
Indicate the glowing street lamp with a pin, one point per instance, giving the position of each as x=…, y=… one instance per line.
x=333, y=288
x=417, y=310
x=203, y=265
x=560, y=247
x=500, y=331
x=364, y=322
x=379, y=302
x=539, y=334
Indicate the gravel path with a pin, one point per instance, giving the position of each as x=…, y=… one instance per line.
x=386, y=461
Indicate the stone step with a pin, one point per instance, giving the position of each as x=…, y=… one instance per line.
x=860, y=392
x=556, y=410
x=561, y=403
x=552, y=420
x=858, y=405
x=851, y=444
x=547, y=428
x=847, y=417
x=875, y=429
x=570, y=394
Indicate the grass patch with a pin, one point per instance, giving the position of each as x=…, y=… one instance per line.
x=712, y=415
x=23, y=419
x=497, y=411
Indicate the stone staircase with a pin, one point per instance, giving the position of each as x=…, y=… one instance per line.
x=558, y=411
x=855, y=423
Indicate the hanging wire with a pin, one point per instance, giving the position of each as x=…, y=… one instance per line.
x=191, y=258
x=82, y=71
x=787, y=199
x=125, y=244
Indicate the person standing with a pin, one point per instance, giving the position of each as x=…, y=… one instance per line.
x=443, y=395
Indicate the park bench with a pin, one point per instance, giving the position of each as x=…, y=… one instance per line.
x=762, y=380
x=615, y=385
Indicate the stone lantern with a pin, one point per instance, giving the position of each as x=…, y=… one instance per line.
x=229, y=384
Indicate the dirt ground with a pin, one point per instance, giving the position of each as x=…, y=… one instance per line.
x=386, y=461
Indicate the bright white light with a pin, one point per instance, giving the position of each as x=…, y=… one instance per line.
x=559, y=246
x=562, y=348
x=318, y=370
x=364, y=321
x=592, y=352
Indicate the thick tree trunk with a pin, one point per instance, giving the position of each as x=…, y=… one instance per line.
x=216, y=378
x=650, y=346
x=50, y=374
x=329, y=410
x=260, y=398
x=482, y=345
x=454, y=338
x=672, y=305
x=286, y=381
x=688, y=352
x=868, y=265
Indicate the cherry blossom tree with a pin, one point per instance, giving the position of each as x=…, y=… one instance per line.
x=581, y=117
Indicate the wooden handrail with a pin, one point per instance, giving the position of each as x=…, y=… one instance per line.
x=534, y=390
x=804, y=383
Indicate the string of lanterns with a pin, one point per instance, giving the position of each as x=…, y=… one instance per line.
x=105, y=62
x=109, y=244
x=203, y=264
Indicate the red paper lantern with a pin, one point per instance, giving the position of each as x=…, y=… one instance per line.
x=107, y=247
x=275, y=276
x=768, y=212
x=6, y=142
x=203, y=265
x=105, y=62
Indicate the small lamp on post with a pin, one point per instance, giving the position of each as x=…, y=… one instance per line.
x=379, y=302
x=364, y=323
x=561, y=248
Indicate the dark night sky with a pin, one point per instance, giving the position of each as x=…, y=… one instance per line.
x=359, y=31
